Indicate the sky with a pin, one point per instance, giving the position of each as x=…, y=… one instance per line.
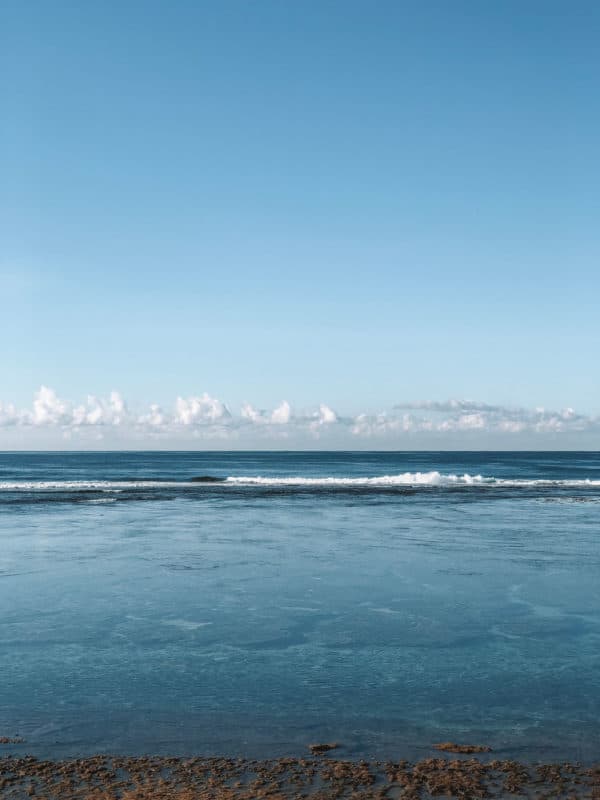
x=317, y=224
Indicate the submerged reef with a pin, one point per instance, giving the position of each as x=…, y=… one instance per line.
x=451, y=747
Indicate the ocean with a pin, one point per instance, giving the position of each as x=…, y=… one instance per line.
x=251, y=603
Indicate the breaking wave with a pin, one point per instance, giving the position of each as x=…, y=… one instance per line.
x=84, y=486
x=405, y=479
x=412, y=479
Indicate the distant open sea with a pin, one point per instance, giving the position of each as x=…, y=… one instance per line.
x=251, y=603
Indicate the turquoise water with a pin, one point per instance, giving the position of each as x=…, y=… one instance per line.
x=384, y=600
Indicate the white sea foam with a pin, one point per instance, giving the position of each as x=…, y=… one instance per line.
x=100, y=500
x=83, y=486
x=409, y=479
x=404, y=479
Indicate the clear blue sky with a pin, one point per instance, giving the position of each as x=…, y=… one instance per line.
x=346, y=202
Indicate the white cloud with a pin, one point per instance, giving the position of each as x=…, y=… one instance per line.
x=48, y=408
x=252, y=414
x=9, y=415
x=464, y=422
x=100, y=412
x=203, y=416
x=154, y=418
x=281, y=420
x=326, y=415
x=384, y=424
x=200, y=410
x=282, y=414
x=117, y=406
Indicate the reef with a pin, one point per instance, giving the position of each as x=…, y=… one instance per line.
x=315, y=778
x=451, y=747
x=320, y=749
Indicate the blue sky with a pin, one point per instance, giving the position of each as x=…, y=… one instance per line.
x=362, y=205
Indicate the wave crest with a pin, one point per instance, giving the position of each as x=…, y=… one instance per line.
x=414, y=479
x=407, y=479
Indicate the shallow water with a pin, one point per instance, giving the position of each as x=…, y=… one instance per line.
x=144, y=612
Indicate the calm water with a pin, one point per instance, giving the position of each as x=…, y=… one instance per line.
x=455, y=596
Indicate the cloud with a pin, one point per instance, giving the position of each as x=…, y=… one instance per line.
x=8, y=415
x=463, y=415
x=200, y=410
x=282, y=414
x=248, y=412
x=203, y=416
x=154, y=418
x=325, y=415
x=98, y=412
x=48, y=409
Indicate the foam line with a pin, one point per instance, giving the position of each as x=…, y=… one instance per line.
x=412, y=479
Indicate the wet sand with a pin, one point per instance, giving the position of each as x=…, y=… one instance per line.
x=318, y=777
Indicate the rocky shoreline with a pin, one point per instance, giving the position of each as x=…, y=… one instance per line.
x=318, y=777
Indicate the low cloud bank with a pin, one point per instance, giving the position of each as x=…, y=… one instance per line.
x=205, y=417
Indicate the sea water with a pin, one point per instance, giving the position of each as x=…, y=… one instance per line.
x=252, y=603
